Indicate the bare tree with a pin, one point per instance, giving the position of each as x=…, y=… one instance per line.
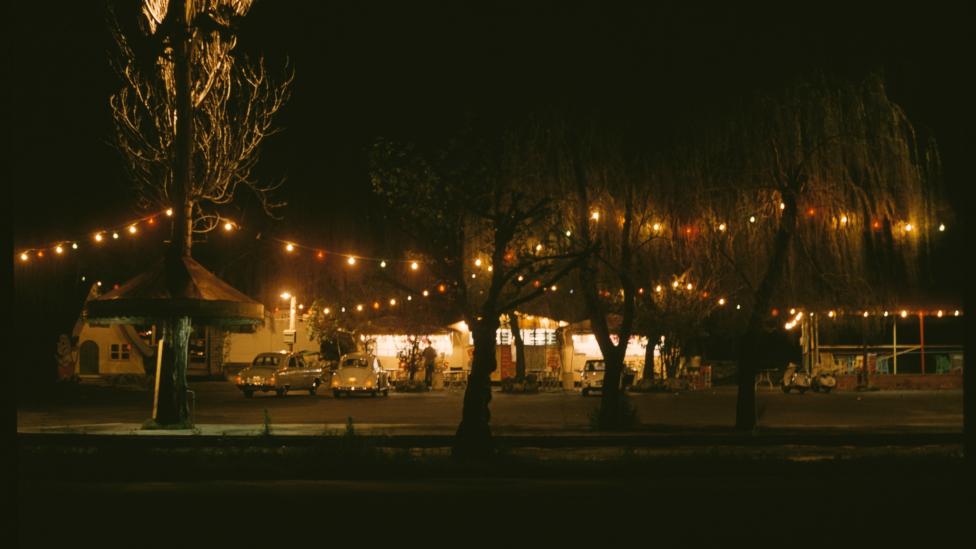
x=478, y=210
x=233, y=101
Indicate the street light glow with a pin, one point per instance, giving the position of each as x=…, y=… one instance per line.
x=285, y=295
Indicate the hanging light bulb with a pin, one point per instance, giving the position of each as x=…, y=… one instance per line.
x=132, y=229
x=782, y=205
x=831, y=314
x=409, y=298
x=169, y=212
x=658, y=288
x=414, y=265
x=866, y=314
x=939, y=313
x=98, y=237
x=24, y=256
x=521, y=278
x=115, y=235
x=674, y=284
x=228, y=226
x=290, y=247
x=737, y=307
x=886, y=313
x=941, y=227
x=689, y=286
x=477, y=262
x=359, y=307
x=351, y=260
x=908, y=227
x=721, y=301
x=752, y=219
x=657, y=227
x=538, y=247
x=569, y=233
x=595, y=216
x=490, y=269
x=326, y=310
x=320, y=255
x=382, y=264
x=58, y=250
x=426, y=293
x=74, y=245
x=904, y=313
x=721, y=227
x=553, y=287
x=393, y=302
x=955, y=313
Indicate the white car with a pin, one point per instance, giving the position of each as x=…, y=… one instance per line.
x=592, y=378
x=359, y=373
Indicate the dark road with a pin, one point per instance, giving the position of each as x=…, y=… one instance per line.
x=220, y=402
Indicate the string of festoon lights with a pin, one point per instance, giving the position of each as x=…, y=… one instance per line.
x=130, y=229
x=134, y=228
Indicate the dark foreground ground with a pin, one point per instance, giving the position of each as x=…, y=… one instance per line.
x=907, y=500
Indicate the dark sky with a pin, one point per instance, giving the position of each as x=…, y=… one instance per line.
x=365, y=69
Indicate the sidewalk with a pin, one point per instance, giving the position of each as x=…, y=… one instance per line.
x=435, y=435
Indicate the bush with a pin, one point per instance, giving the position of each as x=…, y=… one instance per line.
x=528, y=384
x=411, y=386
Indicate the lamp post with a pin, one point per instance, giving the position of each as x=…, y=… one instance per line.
x=290, y=332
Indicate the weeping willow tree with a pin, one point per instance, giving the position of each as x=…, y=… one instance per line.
x=816, y=196
x=477, y=211
x=190, y=113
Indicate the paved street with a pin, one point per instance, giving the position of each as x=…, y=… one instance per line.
x=221, y=402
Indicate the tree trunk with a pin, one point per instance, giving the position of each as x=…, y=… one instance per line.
x=648, y=374
x=473, y=438
x=749, y=352
x=519, y=346
x=611, y=402
x=172, y=409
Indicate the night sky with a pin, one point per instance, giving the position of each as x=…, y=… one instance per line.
x=369, y=69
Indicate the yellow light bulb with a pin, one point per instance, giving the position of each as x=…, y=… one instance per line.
x=414, y=265
x=74, y=245
x=752, y=219
x=393, y=302
x=477, y=262
x=228, y=226
x=326, y=310
x=908, y=227
x=169, y=212
x=721, y=227
x=359, y=307
x=939, y=314
x=658, y=288
x=115, y=235
x=426, y=293
x=569, y=233
x=382, y=264
x=941, y=227
x=538, y=247
x=98, y=237
x=904, y=313
x=132, y=229
x=674, y=284
x=657, y=227
x=689, y=286
x=351, y=260
x=59, y=250
x=24, y=256
x=721, y=301
x=290, y=247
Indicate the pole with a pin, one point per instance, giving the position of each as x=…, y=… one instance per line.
x=894, y=345
x=159, y=367
x=921, y=338
x=291, y=323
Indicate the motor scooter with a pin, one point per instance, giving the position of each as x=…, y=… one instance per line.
x=794, y=378
x=823, y=381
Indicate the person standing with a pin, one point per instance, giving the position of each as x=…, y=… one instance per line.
x=430, y=356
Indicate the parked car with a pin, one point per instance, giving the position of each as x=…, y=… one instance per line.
x=280, y=372
x=360, y=373
x=592, y=378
